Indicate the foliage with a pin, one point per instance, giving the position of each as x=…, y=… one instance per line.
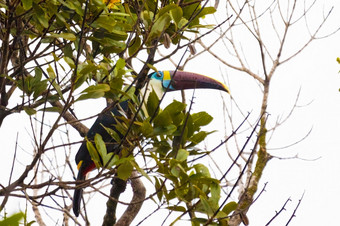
x=67, y=33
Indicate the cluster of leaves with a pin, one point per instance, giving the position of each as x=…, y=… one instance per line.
x=173, y=136
x=92, y=29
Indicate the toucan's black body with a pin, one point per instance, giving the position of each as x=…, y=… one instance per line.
x=104, y=120
x=159, y=81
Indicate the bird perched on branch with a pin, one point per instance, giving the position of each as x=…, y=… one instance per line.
x=159, y=82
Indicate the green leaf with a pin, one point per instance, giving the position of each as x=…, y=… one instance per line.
x=105, y=21
x=113, y=161
x=74, y=5
x=199, y=26
x=60, y=16
x=69, y=61
x=51, y=109
x=167, y=130
x=146, y=17
x=176, y=170
x=39, y=89
x=92, y=95
x=38, y=86
x=177, y=208
x=162, y=148
x=182, y=22
x=129, y=95
x=111, y=38
x=182, y=155
x=136, y=166
x=229, y=207
x=152, y=67
x=67, y=36
x=200, y=168
x=30, y=111
x=120, y=64
x=100, y=4
x=201, y=119
x=101, y=147
x=221, y=216
x=150, y=5
x=152, y=103
x=188, y=130
x=163, y=119
x=175, y=107
x=118, y=35
x=200, y=221
x=107, y=157
x=158, y=189
x=12, y=220
x=40, y=14
x=146, y=128
x=215, y=191
x=97, y=88
x=30, y=223
x=205, y=205
x=190, y=11
x=124, y=170
x=93, y=153
x=198, y=137
x=160, y=165
x=112, y=133
x=176, y=15
x=52, y=77
x=135, y=45
x=94, y=92
x=160, y=25
x=116, y=84
x=175, y=110
x=88, y=68
x=27, y=4
x=38, y=74
x=207, y=10
x=68, y=52
x=166, y=9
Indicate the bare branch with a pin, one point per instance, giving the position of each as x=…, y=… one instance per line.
x=279, y=212
x=137, y=200
x=296, y=208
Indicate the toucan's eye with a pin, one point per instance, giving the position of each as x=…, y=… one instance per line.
x=158, y=74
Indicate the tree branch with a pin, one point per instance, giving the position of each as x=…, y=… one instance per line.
x=137, y=201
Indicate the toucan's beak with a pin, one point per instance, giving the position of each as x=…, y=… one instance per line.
x=181, y=80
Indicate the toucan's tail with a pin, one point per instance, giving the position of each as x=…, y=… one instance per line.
x=78, y=194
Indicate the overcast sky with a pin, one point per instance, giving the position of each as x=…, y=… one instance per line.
x=315, y=174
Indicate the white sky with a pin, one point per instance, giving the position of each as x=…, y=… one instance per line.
x=315, y=71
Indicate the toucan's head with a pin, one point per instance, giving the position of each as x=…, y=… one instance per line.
x=180, y=80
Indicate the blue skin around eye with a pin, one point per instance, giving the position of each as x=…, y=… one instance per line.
x=165, y=83
x=155, y=76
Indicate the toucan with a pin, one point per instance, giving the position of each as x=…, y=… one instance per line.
x=160, y=82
